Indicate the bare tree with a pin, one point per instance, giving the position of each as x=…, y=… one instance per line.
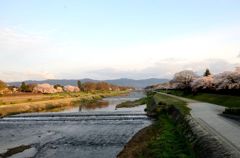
x=2, y=85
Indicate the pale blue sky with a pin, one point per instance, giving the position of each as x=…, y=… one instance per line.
x=127, y=38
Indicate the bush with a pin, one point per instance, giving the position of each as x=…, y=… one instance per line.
x=232, y=111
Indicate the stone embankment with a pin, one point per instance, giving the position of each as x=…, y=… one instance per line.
x=204, y=143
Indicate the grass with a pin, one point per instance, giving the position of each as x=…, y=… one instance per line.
x=18, y=105
x=129, y=104
x=167, y=101
x=167, y=141
x=223, y=100
x=34, y=98
x=160, y=140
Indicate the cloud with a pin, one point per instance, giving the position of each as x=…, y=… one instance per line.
x=165, y=69
x=215, y=49
x=17, y=42
x=238, y=55
x=22, y=76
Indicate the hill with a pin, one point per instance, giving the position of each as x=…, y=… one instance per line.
x=120, y=82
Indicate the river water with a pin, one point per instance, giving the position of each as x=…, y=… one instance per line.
x=99, y=131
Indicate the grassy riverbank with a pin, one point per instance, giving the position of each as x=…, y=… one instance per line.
x=223, y=100
x=164, y=101
x=49, y=102
x=163, y=138
x=160, y=140
x=130, y=104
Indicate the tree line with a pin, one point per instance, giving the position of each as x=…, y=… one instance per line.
x=47, y=88
x=227, y=82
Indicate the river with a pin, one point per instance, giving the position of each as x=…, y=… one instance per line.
x=99, y=131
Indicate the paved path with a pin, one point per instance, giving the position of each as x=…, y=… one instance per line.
x=225, y=129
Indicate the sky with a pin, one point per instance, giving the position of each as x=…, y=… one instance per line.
x=108, y=39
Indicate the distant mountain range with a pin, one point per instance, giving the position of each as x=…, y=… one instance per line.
x=120, y=82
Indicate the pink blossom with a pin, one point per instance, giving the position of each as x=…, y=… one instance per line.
x=59, y=89
x=44, y=88
x=205, y=82
x=70, y=88
x=184, y=78
x=227, y=80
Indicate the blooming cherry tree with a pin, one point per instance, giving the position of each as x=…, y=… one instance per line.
x=44, y=88
x=227, y=80
x=205, y=82
x=184, y=78
x=70, y=88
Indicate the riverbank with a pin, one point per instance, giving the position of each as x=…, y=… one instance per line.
x=49, y=102
x=130, y=104
x=163, y=138
x=192, y=131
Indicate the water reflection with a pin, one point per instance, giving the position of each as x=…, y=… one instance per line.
x=93, y=105
x=107, y=104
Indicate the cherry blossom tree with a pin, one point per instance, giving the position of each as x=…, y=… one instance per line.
x=70, y=88
x=59, y=89
x=44, y=88
x=184, y=78
x=202, y=83
x=227, y=80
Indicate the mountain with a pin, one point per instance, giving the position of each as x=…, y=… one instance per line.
x=136, y=83
x=120, y=82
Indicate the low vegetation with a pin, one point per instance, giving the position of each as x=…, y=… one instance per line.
x=232, y=111
x=15, y=150
x=129, y=104
x=167, y=141
x=159, y=140
x=166, y=102
x=163, y=138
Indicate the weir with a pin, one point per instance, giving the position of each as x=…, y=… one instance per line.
x=86, y=116
x=89, y=133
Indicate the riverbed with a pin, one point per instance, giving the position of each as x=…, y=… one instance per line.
x=100, y=131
